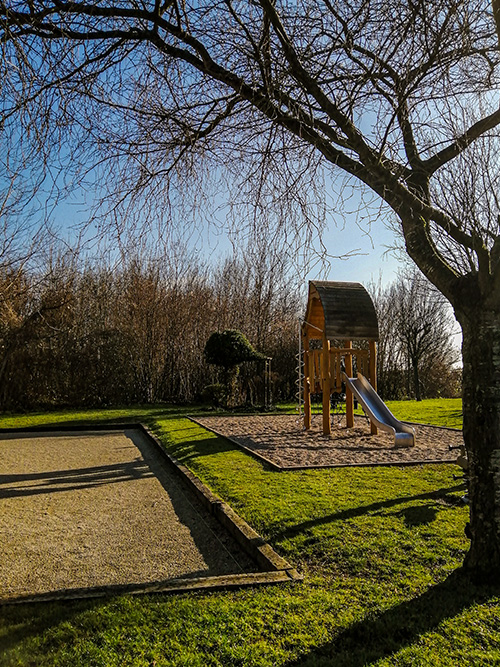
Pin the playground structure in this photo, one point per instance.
(340, 314)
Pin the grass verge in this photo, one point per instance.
(438, 411)
(380, 549)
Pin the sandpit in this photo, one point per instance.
(282, 442)
(86, 510)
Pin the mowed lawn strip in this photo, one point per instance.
(379, 548)
(445, 412)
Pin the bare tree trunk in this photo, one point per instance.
(408, 372)
(416, 380)
(481, 410)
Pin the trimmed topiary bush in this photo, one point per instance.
(228, 349)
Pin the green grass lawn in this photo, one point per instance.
(438, 411)
(380, 550)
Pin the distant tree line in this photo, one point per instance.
(135, 333)
(97, 335)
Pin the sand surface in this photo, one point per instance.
(282, 440)
(97, 509)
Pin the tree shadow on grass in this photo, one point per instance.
(373, 639)
(189, 451)
(418, 515)
(373, 508)
(19, 623)
(456, 414)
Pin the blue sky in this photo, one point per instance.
(367, 257)
(358, 254)
(372, 259)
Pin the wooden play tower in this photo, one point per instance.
(338, 313)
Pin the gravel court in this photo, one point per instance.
(92, 509)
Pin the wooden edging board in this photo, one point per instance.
(274, 568)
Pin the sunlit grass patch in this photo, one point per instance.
(436, 411)
(379, 549)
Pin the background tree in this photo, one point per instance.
(259, 293)
(395, 94)
(391, 380)
(423, 325)
(416, 356)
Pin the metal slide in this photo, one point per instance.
(378, 411)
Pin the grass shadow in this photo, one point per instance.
(34, 620)
(373, 639)
(418, 515)
(351, 513)
(185, 452)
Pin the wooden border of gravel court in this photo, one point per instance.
(275, 466)
(274, 568)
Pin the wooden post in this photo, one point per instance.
(325, 372)
(318, 371)
(335, 372)
(307, 383)
(349, 400)
(373, 376)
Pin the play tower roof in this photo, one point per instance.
(343, 310)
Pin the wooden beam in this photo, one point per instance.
(349, 350)
(307, 383)
(325, 358)
(373, 377)
(335, 370)
(349, 399)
